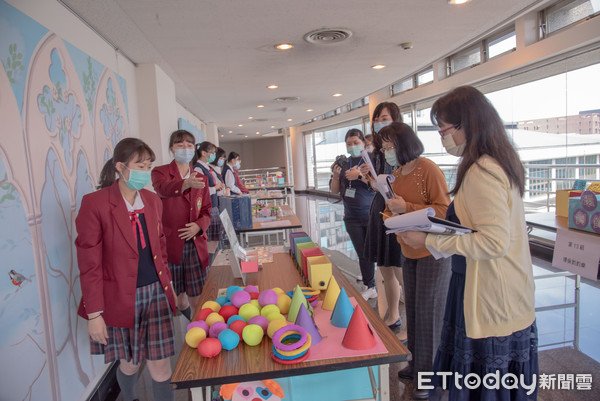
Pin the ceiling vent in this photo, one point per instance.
(327, 35)
(287, 99)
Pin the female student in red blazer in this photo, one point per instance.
(126, 291)
(186, 216)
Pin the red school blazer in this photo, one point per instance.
(193, 205)
(107, 254)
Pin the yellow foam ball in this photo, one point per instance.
(194, 336)
(268, 309)
(214, 318)
(248, 311)
(274, 315)
(255, 303)
(275, 325)
(215, 306)
(253, 334)
(283, 303)
(278, 290)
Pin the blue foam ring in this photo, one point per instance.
(288, 358)
(290, 294)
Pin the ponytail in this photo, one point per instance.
(108, 175)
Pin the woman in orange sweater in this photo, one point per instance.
(418, 183)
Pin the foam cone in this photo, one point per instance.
(331, 296)
(342, 312)
(304, 320)
(359, 335)
(297, 299)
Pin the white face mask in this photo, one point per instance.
(451, 146)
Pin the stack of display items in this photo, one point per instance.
(312, 263)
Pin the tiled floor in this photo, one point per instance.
(565, 347)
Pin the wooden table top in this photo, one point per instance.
(246, 363)
(551, 222)
(288, 215)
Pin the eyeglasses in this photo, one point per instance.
(442, 132)
(383, 150)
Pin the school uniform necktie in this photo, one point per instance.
(135, 221)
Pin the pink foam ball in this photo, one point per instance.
(240, 298)
(209, 347)
(251, 288)
(267, 297)
(262, 321)
(198, 323)
(216, 328)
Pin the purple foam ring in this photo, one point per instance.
(289, 347)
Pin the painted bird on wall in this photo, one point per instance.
(17, 278)
(253, 391)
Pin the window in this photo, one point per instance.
(502, 43)
(565, 176)
(565, 13)
(538, 180)
(588, 173)
(465, 58)
(403, 85)
(310, 159)
(425, 77)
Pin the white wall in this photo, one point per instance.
(259, 153)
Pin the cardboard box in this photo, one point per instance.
(299, 247)
(306, 253)
(584, 212)
(239, 209)
(319, 268)
(295, 241)
(562, 200)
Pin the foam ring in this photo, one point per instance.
(296, 351)
(310, 291)
(287, 358)
(293, 328)
(291, 337)
(292, 362)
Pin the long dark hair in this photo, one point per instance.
(218, 154)
(232, 156)
(394, 111)
(124, 152)
(203, 147)
(407, 144)
(468, 108)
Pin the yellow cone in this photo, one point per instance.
(331, 296)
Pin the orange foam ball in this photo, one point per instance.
(209, 347)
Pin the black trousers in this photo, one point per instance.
(357, 230)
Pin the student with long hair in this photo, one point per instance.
(489, 323)
(186, 216)
(206, 154)
(126, 291)
(231, 177)
(219, 162)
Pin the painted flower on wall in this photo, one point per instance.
(110, 116)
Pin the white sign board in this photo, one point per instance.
(236, 250)
(577, 252)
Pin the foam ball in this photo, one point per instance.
(209, 347)
(255, 303)
(216, 328)
(274, 316)
(198, 323)
(240, 298)
(251, 288)
(268, 309)
(203, 314)
(238, 327)
(234, 318)
(228, 303)
(267, 297)
(227, 311)
(233, 289)
(262, 321)
(254, 295)
(222, 300)
(252, 334)
(214, 318)
(194, 336)
(275, 325)
(278, 290)
(248, 311)
(215, 306)
(283, 303)
(229, 339)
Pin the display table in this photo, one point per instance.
(246, 363)
(284, 222)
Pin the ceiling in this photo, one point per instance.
(221, 55)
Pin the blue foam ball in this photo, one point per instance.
(233, 319)
(229, 339)
(232, 289)
(222, 300)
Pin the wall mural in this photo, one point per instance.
(62, 114)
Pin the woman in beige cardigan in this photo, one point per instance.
(489, 323)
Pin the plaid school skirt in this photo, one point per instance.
(189, 276)
(152, 335)
(215, 228)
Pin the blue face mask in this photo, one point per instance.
(355, 150)
(390, 157)
(211, 158)
(378, 126)
(184, 156)
(221, 162)
(237, 165)
(138, 179)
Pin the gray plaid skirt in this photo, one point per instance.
(189, 276)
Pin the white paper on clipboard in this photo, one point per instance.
(382, 181)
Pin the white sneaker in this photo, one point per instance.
(369, 293)
(359, 277)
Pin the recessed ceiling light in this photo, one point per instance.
(455, 2)
(309, 109)
(231, 132)
(260, 106)
(245, 136)
(273, 86)
(250, 118)
(240, 125)
(222, 136)
(378, 66)
(289, 119)
(272, 126)
(257, 132)
(284, 46)
(337, 95)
